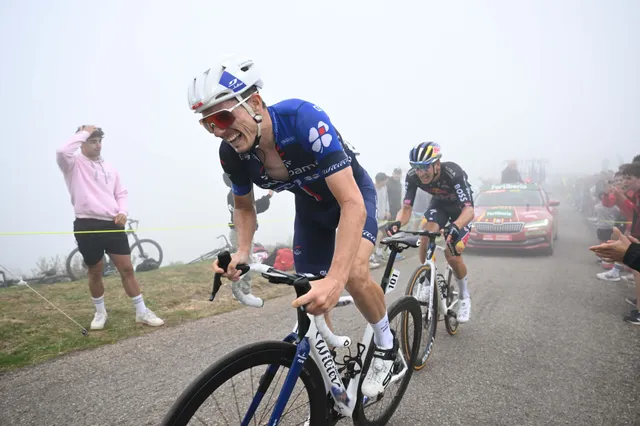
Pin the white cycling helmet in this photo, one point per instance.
(235, 75)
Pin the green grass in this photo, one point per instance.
(32, 331)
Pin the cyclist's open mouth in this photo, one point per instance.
(235, 140)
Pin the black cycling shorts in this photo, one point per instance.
(93, 246)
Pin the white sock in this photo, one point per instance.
(138, 303)
(382, 336)
(99, 303)
(464, 290)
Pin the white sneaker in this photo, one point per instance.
(464, 313)
(149, 318)
(98, 320)
(380, 370)
(609, 276)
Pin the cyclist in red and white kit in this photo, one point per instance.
(452, 203)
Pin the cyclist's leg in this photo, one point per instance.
(459, 268)
(436, 218)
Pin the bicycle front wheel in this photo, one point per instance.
(373, 412)
(151, 250)
(266, 365)
(419, 288)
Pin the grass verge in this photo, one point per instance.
(32, 331)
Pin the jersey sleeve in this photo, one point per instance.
(318, 136)
(235, 169)
(459, 183)
(410, 189)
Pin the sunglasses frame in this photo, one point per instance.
(420, 166)
(211, 126)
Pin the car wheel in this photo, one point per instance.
(549, 250)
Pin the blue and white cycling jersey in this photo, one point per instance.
(310, 148)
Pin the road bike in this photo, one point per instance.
(140, 251)
(331, 388)
(213, 253)
(437, 295)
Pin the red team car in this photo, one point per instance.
(515, 217)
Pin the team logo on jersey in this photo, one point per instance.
(319, 138)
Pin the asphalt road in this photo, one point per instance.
(546, 345)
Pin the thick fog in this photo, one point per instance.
(489, 80)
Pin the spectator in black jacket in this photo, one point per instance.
(511, 174)
(262, 205)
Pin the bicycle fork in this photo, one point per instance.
(302, 353)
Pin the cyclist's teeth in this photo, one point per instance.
(234, 138)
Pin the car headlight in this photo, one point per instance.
(537, 224)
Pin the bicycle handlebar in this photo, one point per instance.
(275, 276)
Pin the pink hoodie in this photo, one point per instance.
(95, 187)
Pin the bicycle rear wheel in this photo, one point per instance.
(418, 286)
(265, 354)
(372, 412)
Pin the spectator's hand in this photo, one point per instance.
(120, 219)
(270, 193)
(613, 250)
(90, 128)
(232, 273)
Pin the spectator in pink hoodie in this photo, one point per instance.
(100, 203)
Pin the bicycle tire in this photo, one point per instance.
(448, 324)
(153, 243)
(262, 353)
(68, 265)
(402, 306)
(428, 336)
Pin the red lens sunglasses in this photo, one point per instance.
(221, 119)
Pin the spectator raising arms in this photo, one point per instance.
(100, 204)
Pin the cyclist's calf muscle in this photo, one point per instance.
(367, 295)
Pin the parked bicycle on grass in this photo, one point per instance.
(146, 255)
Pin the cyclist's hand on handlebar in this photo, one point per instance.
(322, 297)
(452, 232)
(232, 273)
(120, 219)
(393, 227)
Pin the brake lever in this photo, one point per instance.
(224, 259)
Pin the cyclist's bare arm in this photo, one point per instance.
(353, 215)
(404, 215)
(466, 216)
(244, 218)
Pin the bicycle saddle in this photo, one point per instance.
(403, 238)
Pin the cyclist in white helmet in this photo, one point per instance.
(451, 202)
(294, 146)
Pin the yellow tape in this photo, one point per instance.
(175, 228)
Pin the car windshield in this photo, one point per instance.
(505, 197)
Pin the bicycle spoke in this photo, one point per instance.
(255, 421)
(233, 385)
(220, 409)
(270, 396)
(292, 409)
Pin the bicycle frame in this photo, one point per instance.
(313, 344)
(434, 284)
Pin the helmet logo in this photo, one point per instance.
(232, 82)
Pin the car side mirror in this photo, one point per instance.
(554, 203)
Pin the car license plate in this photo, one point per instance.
(497, 237)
